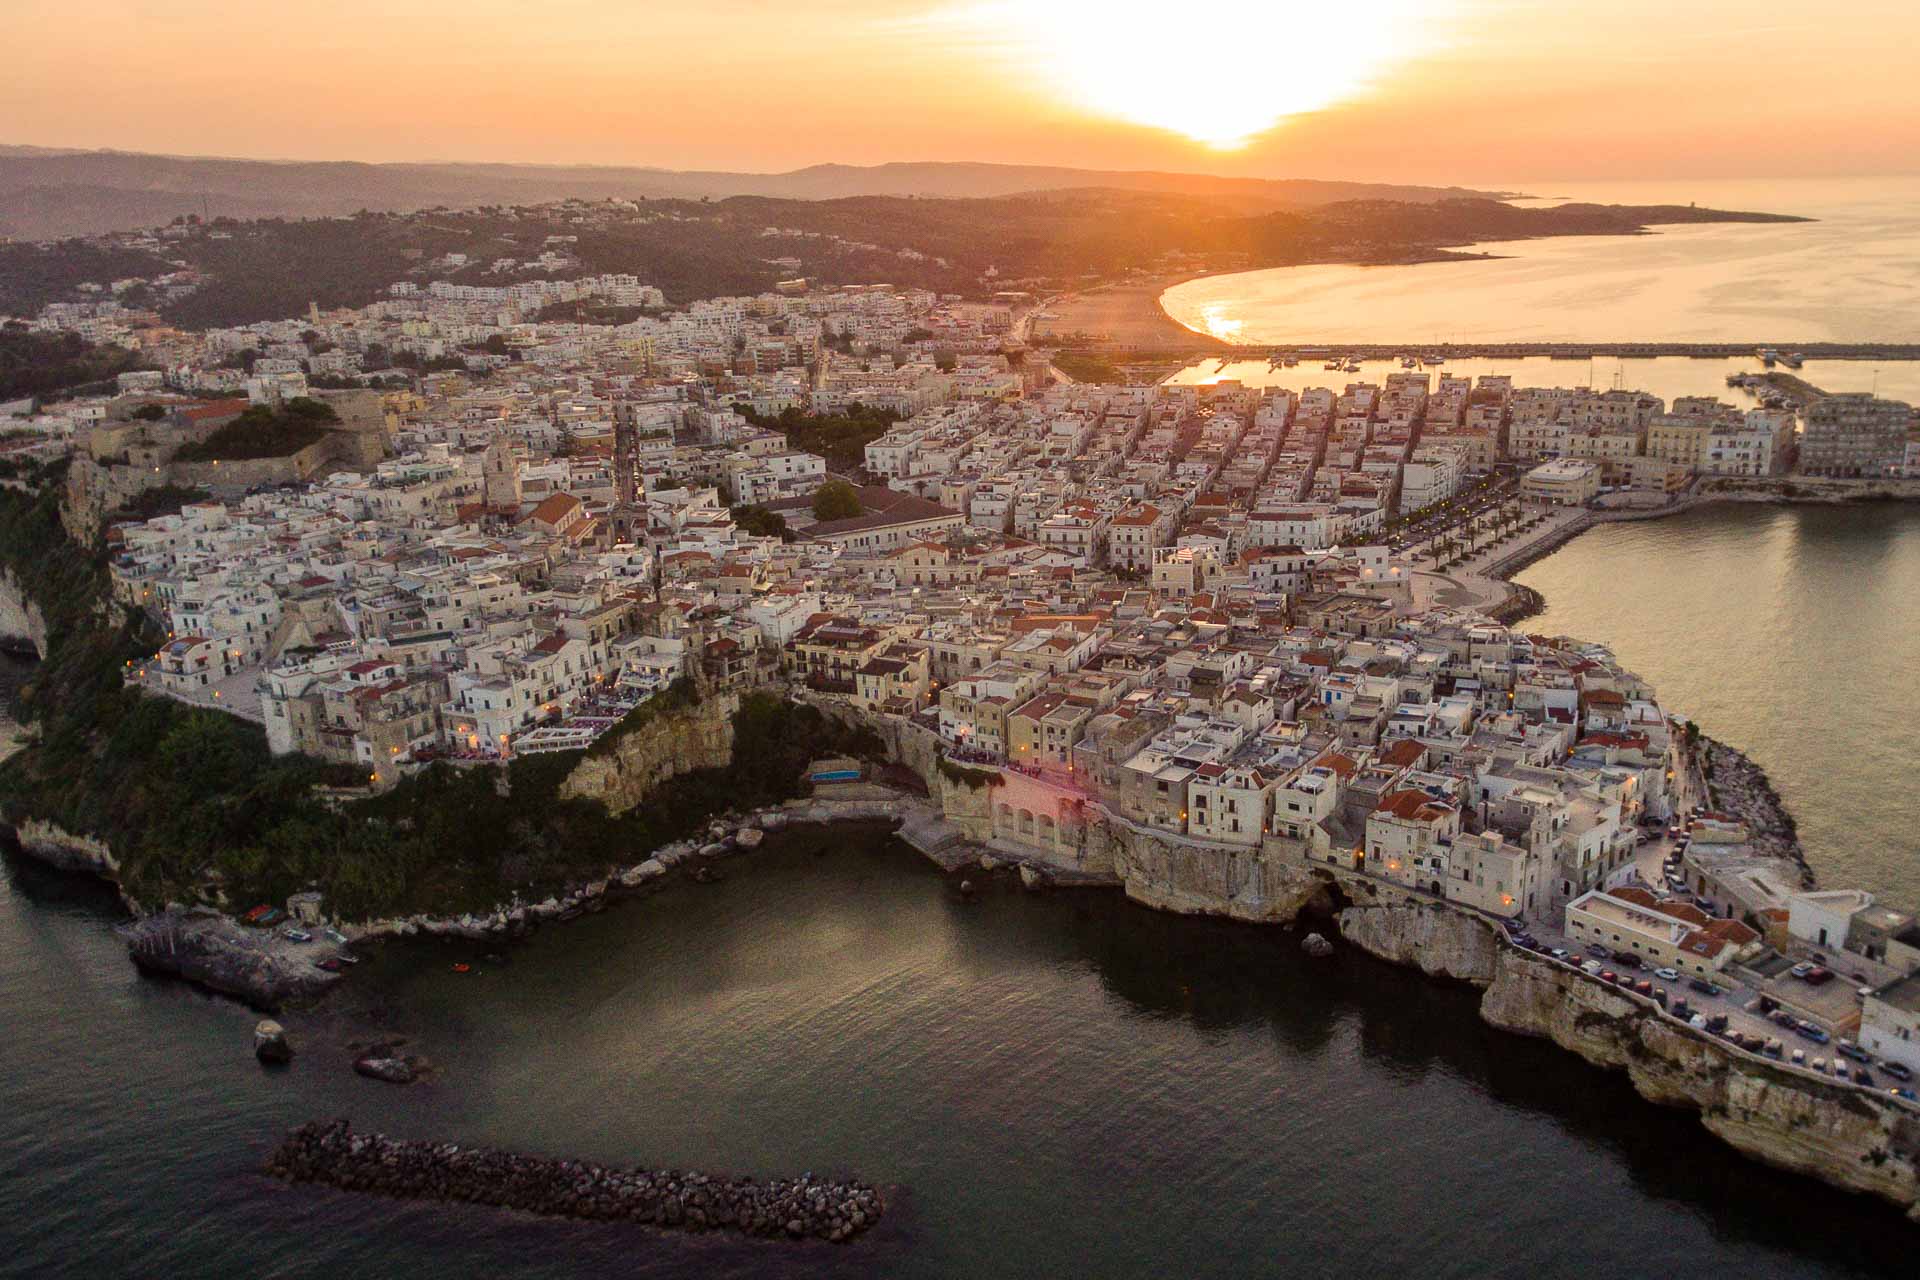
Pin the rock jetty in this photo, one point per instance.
(806, 1207)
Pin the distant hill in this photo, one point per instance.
(47, 193)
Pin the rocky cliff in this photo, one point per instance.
(1222, 880)
(1841, 1135)
(60, 848)
(1433, 939)
(700, 737)
(20, 619)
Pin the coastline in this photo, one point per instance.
(1607, 1028)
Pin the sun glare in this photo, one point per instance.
(1221, 74)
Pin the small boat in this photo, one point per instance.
(297, 935)
(463, 967)
(345, 958)
(330, 963)
(334, 936)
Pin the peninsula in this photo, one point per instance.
(451, 613)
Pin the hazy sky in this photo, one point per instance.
(1480, 91)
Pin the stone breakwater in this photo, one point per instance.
(807, 1207)
(1739, 787)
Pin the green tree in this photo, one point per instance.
(762, 523)
(836, 500)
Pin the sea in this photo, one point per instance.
(1851, 275)
(1050, 1085)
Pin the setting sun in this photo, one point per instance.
(1221, 77)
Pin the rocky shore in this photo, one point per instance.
(330, 1153)
(205, 947)
(722, 838)
(1738, 787)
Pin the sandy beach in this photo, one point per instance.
(1127, 316)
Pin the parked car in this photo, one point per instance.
(1598, 952)
(1819, 976)
(1801, 970)
(1627, 960)
(1819, 1064)
(1698, 1022)
(1592, 969)
(1666, 975)
(1807, 1031)
(1558, 953)
(1717, 1022)
(1771, 1048)
(1898, 1070)
(1849, 1049)
(1799, 1057)
(1704, 987)
(1643, 987)
(1863, 1076)
(1785, 1019)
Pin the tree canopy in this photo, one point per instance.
(836, 500)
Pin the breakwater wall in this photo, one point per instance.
(331, 1154)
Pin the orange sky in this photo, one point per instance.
(1478, 91)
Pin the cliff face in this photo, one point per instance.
(700, 737)
(1242, 884)
(20, 618)
(60, 848)
(1432, 939)
(1772, 1113)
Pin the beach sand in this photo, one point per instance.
(1127, 316)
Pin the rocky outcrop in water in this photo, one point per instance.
(1436, 940)
(270, 1043)
(796, 1208)
(1845, 1136)
(205, 947)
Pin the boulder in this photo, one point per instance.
(270, 1042)
(749, 838)
(387, 1067)
(714, 850)
(650, 870)
(1316, 946)
(1033, 878)
(988, 862)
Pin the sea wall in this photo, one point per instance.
(700, 737)
(1845, 1136)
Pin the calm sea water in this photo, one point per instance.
(1790, 632)
(1057, 1085)
(1850, 276)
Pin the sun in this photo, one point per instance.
(1220, 73)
